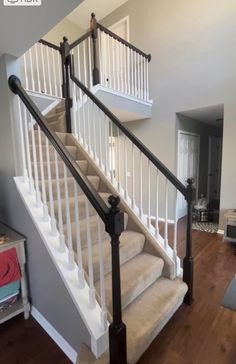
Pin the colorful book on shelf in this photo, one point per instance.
(9, 290)
(9, 267)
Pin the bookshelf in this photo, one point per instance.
(22, 305)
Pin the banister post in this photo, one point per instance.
(94, 28)
(66, 60)
(188, 260)
(117, 329)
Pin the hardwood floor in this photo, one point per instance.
(204, 333)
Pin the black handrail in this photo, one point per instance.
(48, 44)
(166, 172)
(123, 41)
(81, 39)
(92, 195)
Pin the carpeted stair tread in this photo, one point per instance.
(146, 316)
(94, 180)
(71, 149)
(136, 275)
(131, 244)
(56, 116)
(83, 164)
(61, 135)
(58, 125)
(93, 221)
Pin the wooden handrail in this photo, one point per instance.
(123, 41)
(81, 39)
(90, 192)
(48, 44)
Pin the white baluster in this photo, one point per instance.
(35, 165)
(107, 147)
(79, 66)
(141, 77)
(175, 255)
(126, 167)
(114, 69)
(118, 62)
(125, 68)
(59, 75)
(141, 185)
(135, 76)
(102, 125)
(31, 70)
(54, 71)
(166, 216)
(92, 300)
(102, 281)
(133, 178)
(71, 259)
(138, 71)
(93, 116)
(109, 62)
(22, 143)
(62, 244)
(100, 56)
(90, 62)
(149, 195)
(37, 67)
(78, 239)
(44, 197)
(43, 67)
(132, 73)
(51, 201)
(118, 160)
(26, 71)
(157, 205)
(128, 51)
(85, 66)
(110, 128)
(147, 80)
(122, 67)
(49, 71)
(28, 156)
(89, 124)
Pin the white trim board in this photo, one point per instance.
(54, 334)
(221, 232)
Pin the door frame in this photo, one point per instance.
(209, 161)
(123, 20)
(180, 131)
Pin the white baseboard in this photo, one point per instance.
(54, 334)
(221, 232)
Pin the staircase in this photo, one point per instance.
(119, 268)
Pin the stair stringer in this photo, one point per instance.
(152, 245)
(80, 297)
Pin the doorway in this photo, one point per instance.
(188, 164)
(199, 154)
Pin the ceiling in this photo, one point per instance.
(21, 27)
(211, 115)
(81, 15)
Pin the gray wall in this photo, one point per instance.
(47, 291)
(204, 131)
(192, 66)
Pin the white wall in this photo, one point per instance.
(193, 65)
(64, 28)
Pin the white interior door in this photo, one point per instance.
(214, 168)
(188, 165)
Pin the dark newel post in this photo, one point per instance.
(117, 329)
(66, 59)
(94, 28)
(188, 260)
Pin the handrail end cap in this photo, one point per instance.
(12, 81)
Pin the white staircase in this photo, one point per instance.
(66, 182)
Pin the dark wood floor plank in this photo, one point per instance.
(204, 333)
